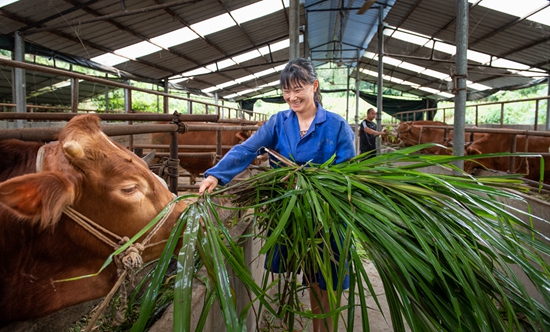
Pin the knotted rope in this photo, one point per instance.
(130, 260)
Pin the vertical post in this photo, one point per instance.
(461, 37)
(501, 115)
(536, 124)
(74, 95)
(347, 93)
(173, 169)
(356, 128)
(128, 109)
(513, 147)
(218, 111)
(379, 98)
(106, 98)
(219, 142)
(127, 99)
(548, 107)
(166, 100)
(294, 29)
(20, 91)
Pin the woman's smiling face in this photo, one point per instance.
(300, 96)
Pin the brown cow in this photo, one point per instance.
(200, 163)
(418, 132)
(414, 132)
(40, 244)
(501, 142)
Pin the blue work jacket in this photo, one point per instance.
(328, 134)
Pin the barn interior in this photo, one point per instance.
(233, 51)
(223, 55)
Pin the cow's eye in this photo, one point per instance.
(129, 190)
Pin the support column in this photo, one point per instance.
(356, 126)
(74, 95)
(127, 99)
(460, 77)
(219, 111)
(166, 100)
(20, 84)
(380, 90)
(548, 107)
(106, 98)
(294, 29)
(347, 92)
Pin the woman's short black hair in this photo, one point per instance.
(299, 71)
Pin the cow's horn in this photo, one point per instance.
(149, 157)
(73, 149)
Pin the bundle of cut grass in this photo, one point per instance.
(443, 245)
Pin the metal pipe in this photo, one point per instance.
(347, 94)
(379, 97)
(197, 155)
(173, 168)
(113, 117)
(219, 144)
(502, 115)
(165, 99)
(65, 73)
(536, 126)
(239, 121)
(461, 75)
(356, 129)
(182, 147)
(51, 133)
(74, 95)
(548, 106)
(513, 147)
(106, 98)
(59, 72)
(20, 93)
(294, 29)
(196, 127)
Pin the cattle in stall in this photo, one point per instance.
(412, 133)
(418, 132)
(86, 173)
(502, 142)
(202, 161)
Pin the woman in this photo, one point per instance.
(304, 133)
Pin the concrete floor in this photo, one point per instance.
(378, 321)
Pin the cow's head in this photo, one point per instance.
(97, 177)
(471, 165)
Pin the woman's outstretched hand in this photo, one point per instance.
(210, 183)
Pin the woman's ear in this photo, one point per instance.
(315, 85)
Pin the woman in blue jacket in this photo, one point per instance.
(306, 132)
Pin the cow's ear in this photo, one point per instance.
(39, 197)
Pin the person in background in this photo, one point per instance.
(368, 133)
(304, 133)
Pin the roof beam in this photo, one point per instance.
(507, 26)
(98, 17)
(60, 14)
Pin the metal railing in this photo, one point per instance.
(430, 113)
(193, 106)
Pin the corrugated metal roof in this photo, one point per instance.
(337, 32)
(334, 31)
(493, 33)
